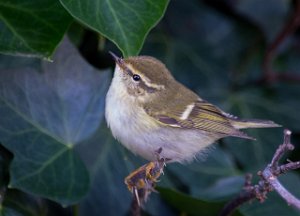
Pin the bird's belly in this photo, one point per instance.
(144, 136)
(177, 144)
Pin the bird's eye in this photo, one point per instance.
(136, 77)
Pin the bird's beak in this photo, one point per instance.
(118, 60)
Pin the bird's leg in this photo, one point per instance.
(158, 151)
(141, 182)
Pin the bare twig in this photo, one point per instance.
(282, 191)
(268, 182)
(230, 207)
(135, 208)
(282, 149)
(270, 174)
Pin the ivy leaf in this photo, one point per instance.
(47, 108)
(108, 165)
(126, 22)
(18, 203)
(32, 27)
(216, 171)
(191, 206)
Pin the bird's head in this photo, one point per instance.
(142, 76)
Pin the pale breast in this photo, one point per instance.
(142, 135)
(127, 121)
(144, 138)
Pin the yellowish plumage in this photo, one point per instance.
(155, 111)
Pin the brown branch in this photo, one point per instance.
(289, 28)
(289, 166)
(268, 182)
(243, 197)
(282, 149)
(135, 209)
(281, 190)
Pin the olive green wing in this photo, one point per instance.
(199, 115)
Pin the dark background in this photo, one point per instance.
(241, 55)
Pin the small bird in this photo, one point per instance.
(147, 109)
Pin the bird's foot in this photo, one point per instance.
(141, 182)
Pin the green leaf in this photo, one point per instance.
(213, 178)
(189, 205)
(124, 22)
(253, 103)
(270, 16)
(10, 212)
(32, 27)
(18, 203)
(47, 108)
(109, 163)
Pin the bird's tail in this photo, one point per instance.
(253, 123)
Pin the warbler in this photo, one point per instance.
(147, 109)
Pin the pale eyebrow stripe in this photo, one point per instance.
(146, 87)
(149, 87)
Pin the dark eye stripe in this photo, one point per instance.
(141, 83)
(129, 72)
